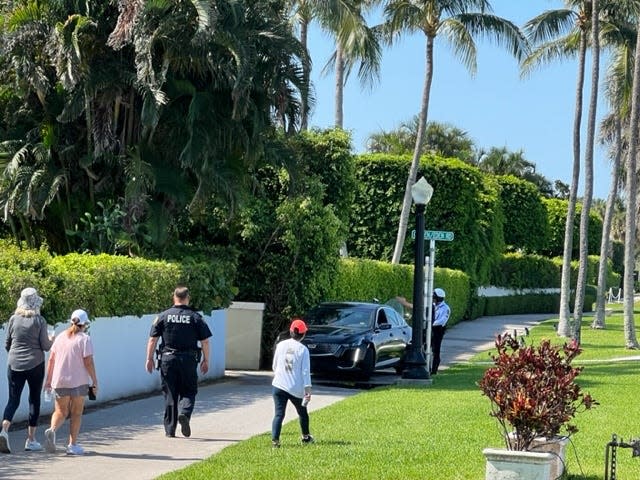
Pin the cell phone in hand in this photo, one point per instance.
(92, 392)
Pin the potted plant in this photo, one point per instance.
(534, 395)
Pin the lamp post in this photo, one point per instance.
(414, 361)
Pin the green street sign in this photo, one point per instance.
(435, 235)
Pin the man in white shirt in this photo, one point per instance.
(441, 313)
(291, 381)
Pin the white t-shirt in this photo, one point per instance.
(291, 367)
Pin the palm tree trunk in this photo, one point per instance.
(599, 319)
(304, 99)
(630, 222)
(581, 283)
(417, 151)
(339, 100)
(564, 329)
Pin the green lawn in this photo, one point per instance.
(439, 432)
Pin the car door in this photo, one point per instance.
(382, 338)
(400, 334)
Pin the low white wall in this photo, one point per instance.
(491, 291)
(120, 345)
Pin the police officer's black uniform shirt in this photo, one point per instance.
(180, 327)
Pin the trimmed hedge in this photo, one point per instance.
(530, 303)
(526, 226)
(108, 285)
(557, 214)
(465, 201)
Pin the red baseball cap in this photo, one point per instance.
(298, 326)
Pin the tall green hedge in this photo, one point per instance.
(557, 209)
(464, 201)
(526, 225)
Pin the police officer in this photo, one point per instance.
(181, 328)
(441, 313)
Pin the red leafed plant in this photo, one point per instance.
(533, 391)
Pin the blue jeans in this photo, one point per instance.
(280, 398)
(34, 378)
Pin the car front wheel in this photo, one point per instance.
(369, 362)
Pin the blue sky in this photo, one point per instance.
(496, 107)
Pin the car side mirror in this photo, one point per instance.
(384, 326)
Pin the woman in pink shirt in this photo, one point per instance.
(69, 371)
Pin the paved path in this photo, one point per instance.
(126, 441)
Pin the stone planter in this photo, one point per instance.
(556, 447)
(517, 465)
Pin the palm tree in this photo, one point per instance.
(631, 206)
(618, 86)
(561, 33)
(442, 139)
(458, 21)
(356, 43)
(588, 166)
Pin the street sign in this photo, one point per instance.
(435, 235)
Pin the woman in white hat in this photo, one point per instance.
(69, 371)
(26, 341)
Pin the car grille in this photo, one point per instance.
(322, 348)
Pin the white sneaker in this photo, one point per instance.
(50, 440)
(74, 449)
(4, 442)
(32, 446)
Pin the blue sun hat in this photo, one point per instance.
(29, 299)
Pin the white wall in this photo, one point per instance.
(120, 345)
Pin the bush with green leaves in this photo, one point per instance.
(526, 226)
(557, 212)
(289, 256)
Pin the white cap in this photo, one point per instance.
(438, 292)
(81, 317)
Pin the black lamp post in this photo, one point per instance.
(414, 361)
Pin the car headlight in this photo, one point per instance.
(359, 351)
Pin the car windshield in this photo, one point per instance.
(340, 316)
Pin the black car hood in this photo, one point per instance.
(334, 334)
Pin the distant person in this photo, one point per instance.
(439, 317)
(26, 341)
(441, 314)
(291, 381)
(69, 371)
(180, 327)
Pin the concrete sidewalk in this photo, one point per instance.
(126, 441)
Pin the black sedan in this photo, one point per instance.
(355, 337)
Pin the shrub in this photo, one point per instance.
(533, 391)
(526, 225)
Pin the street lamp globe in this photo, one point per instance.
(421, 192)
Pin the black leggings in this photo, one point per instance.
(34, 377)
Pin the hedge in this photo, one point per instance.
(109, 285)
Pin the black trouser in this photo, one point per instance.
(437, 332)
(34, 377)
(180, 385)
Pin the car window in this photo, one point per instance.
(341, 316)
(393, 317)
